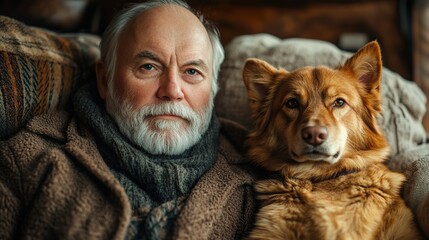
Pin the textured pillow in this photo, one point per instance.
(39, 71)
(403, 102)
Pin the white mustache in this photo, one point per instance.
(169, 108)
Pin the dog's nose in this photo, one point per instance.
(314, 135)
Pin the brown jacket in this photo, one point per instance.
(55, 185)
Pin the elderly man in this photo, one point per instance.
(143, 157)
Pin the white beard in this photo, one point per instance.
(160, 136)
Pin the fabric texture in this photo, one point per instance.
(54, 184)
(415, 164)
(156, 185)
(39, 71)
(403, 105)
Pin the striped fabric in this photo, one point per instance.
(39, 71)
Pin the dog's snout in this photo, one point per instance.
(314, 135)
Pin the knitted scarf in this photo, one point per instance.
(156, 185)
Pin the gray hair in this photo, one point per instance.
(109, 42)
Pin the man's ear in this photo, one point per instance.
(101, 73)
(366, 65)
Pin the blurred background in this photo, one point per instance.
(400, 26)
(347, 23)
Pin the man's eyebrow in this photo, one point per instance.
(199, 63)
(148, 54)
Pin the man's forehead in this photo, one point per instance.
(167, 21)
(158, 33)
(170, 15)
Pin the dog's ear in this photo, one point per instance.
(259, 78)
(366, 65)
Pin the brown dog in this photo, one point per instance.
(317, 127)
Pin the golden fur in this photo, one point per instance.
(317, 127)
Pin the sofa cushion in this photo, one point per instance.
(39, 71)
(403, 101)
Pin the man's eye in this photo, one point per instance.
(191, 71)
(148, 67)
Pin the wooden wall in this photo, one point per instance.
(324, 20)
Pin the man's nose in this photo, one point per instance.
(170, 87)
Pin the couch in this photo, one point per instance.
(40, 70)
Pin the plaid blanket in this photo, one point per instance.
(39, 71)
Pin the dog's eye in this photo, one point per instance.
(292, 103)
(339, 103)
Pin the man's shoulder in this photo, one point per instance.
(52, 125)
(40, 133)
(232, 141)
(46, 138)
(233, 147)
